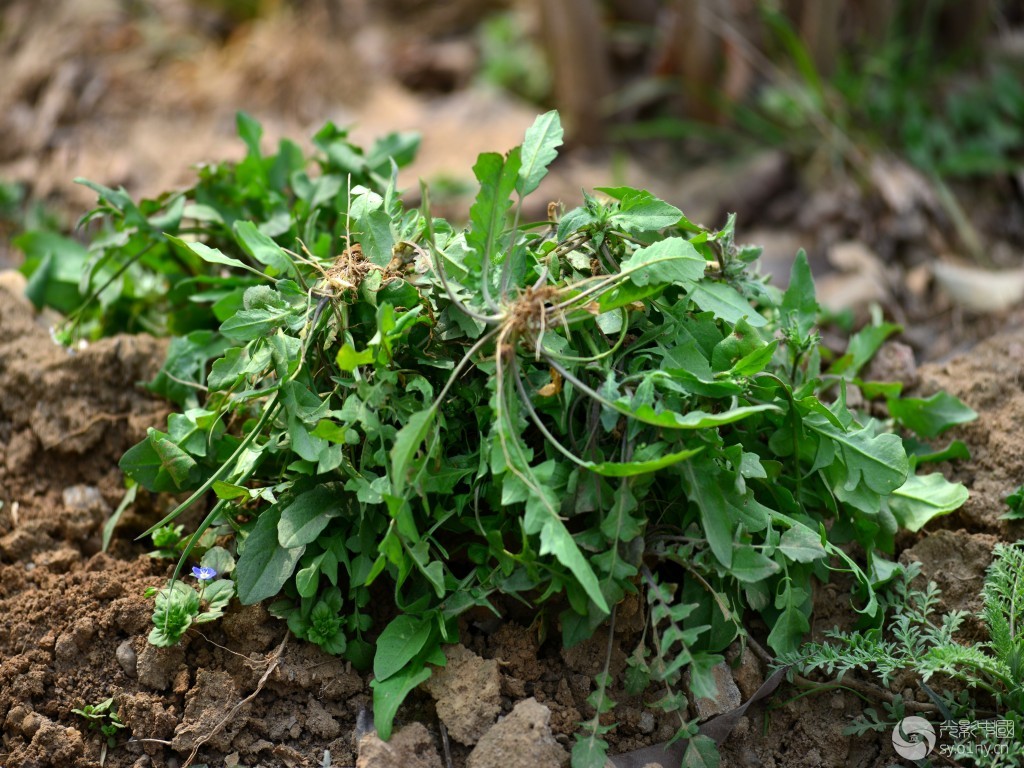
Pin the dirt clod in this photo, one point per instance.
(409, 747)
(206, 705)
(157, 667)
(467, 692)
(521, 739)
(727, 698)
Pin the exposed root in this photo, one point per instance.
(348, 271)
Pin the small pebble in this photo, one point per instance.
(31, 724)
(647, 723)
(127, 658)
(84, 498)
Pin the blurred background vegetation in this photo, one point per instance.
(897, 125)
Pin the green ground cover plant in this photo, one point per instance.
(375, 403)
(103, 717)
(977, 681)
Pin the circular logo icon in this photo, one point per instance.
(913, 738)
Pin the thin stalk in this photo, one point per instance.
(462, 364)
(73, 318)
(223, 469)
(505, 427)
(597, 356)
(605, 282)
(484, 267)
(585, 388)
(488, 319)
(506, 266)
(194, 538)
(524, 397)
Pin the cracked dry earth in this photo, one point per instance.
(73, 619)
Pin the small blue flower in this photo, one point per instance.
(203, 573)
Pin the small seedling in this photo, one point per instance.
(103, 717)
(179, 606)
(169, 541)
(1015, 504)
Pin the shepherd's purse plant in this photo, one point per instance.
(375, 402)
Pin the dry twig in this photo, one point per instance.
(273, 661)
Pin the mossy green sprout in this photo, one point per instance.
(103, 717)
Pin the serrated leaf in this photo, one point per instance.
(407, 442)
(488, 215)
(640, 211)
(249, 324)
(555, 539)
(930, 417)
(590, 752)
(143, 464)
(672, 260)
(801, 544)
(799, 304)
(539, 148)
(789, 630)
(701, 752)
(704, 490)
(173, 460)
(702, 675)
(878, 461)
(377, 239)
(924, 497)
(752, 566)
(228, 370)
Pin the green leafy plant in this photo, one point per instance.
(168, 540)
(179, 606)
(103, 717)
(377, 402)
(1015, 502)
(981, 679)
(135, 276)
